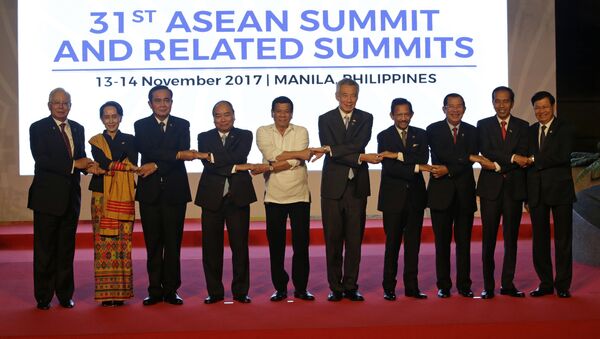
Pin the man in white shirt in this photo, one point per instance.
(284, 149)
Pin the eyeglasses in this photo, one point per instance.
(60, 103)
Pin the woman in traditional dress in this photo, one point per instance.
(113, 207)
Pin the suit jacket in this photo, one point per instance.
(161, 148)
(53, 181)
(398, 178)
(212, 182)
(491, 146)
(346, 147)
(460, 179)
(549, 180)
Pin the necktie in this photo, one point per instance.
(162, 126)
(226, 187)
(403, 137)
(346, 122)
(66, 139)
(454, 133)
(542, 136)
(503, 123)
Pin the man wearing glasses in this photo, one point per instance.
(57, 146)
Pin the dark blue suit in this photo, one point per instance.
(550, 188)
(452, 201)
(231, 208)
(343, 201)
(501, 194)
(163, 196)
(55, 198)
(402, 199)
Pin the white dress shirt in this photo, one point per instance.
(288, 186)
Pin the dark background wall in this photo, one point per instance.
(578, 68)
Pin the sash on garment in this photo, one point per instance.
(118, 202)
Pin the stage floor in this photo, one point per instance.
(501, 317)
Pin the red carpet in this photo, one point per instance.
(456, 317)
(20, 235)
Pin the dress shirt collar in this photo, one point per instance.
(500, 120)
(289, 129)
(344, 114)
(547, 125)
(58, 122)
(400, 130)
(452, 126)
(166, 121)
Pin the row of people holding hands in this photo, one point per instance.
(520, 163)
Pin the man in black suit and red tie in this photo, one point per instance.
(344, 133)
(451, 193)
(57, 146)
(501, 188)
(402, 197)
(163, 193)
(225, 192)
(550, 189)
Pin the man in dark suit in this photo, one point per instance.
(163, 192)
(225, 193)
(402, 197)
(550, 189)
(344, 133)
(451, 193)
(57, 146)
(501, 188)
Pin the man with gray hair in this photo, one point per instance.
(57, 146)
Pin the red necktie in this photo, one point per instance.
(454, 133)
(503, 123)
(66, 139)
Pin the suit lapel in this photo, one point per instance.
(550, 133)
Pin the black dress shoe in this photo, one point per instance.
(279, 296)
(539, 292)
(43, 306)
(487, 294)
(443, 293)
(563, 294)
(211, 299)
(150, 300)
(304, 295)
(67, 303)
(108, 303)
(335, 296)
(415, 294)
(512, 292)
(353, 296)
(466, 293)
(389, 295)
(174, 299)
(244, 299)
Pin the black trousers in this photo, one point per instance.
(277, 215)
(511, 211)
(163, 230)
(343, 227)
(237, 220)
(406, 223)
(563, 245)
(53, 253)
(457, 219)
